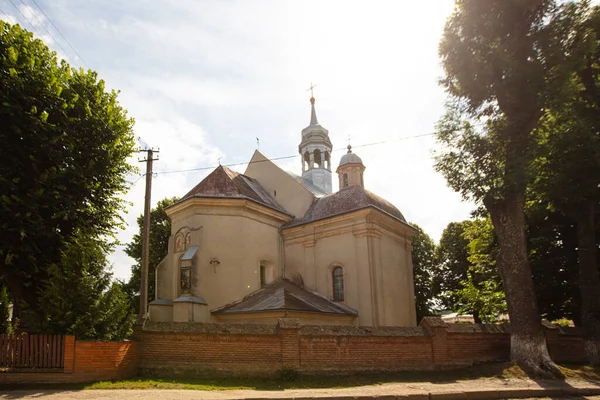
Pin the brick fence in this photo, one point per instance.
(84, 361)
(213, 349)
(246, 349)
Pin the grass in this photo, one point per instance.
(485, 371)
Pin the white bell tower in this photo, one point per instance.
(315, 149)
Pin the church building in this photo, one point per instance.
(267, 244)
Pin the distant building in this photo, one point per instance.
(254, 247)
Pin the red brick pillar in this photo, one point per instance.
(437, 329)
(69, 354)
(289, 332)
(552, 340)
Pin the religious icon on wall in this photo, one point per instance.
(179, 243)
(188, 240)
(186, 278)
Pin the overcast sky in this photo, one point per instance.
(203, 79)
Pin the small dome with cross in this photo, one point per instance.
(350, 158)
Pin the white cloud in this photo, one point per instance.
(203, 79)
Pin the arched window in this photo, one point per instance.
(263, 276)
(306, 163)
(362, 183)
(338, 284)
(345, 180)
(317, 159)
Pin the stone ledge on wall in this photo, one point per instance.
(212, 328)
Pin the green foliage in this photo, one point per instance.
(552, 244)
(65, 143)
(160, 231)
(482, 293)
(79, 297)
(452, 258)
(424, 263)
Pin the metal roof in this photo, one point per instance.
(284, 295)
(225, 183)
(190, 253)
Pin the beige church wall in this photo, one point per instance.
(335, 245)
(160, 313)
(371, 248)
(272, 318)
(163, 279)
(239, 239)
(290, 194)
(397, 289)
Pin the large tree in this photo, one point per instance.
(65, 142)
(80, 298)
(424, 263)
(569, 158)
(160, 231)
(495, 76)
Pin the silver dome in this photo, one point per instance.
(350, 158)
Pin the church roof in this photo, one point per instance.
(308, 185)
(225, 183)
(284, 295)
(350, 158)
(349, 199)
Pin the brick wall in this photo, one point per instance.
(212, 349)
(84, 361)
(216, 349)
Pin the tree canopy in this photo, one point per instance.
(65, 142)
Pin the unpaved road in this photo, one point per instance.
(454, 391)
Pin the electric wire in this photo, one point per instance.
(288, 157)
(60, 33)
(66, 54)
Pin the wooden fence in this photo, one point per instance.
(31, 351)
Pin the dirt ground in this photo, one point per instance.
(442, 391)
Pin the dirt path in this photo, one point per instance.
(462, 390)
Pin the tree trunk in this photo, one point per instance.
(589, 281)
(528, 343)
(476, 318)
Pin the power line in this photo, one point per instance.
(288, 157)
(62, 48)
(60, 33)
(40, 23)
(7, 16)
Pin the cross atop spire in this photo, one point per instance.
(311, 88)
(312, 95)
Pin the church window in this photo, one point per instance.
(338, 284)
(306, 164)
(345, 180)
(361, 181)
(263, 276)
(186, 279)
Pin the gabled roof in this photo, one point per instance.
(349, 199)
(225, 183)
(284, 295)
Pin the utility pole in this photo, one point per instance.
(146, 234)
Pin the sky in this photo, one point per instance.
(203, 79)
